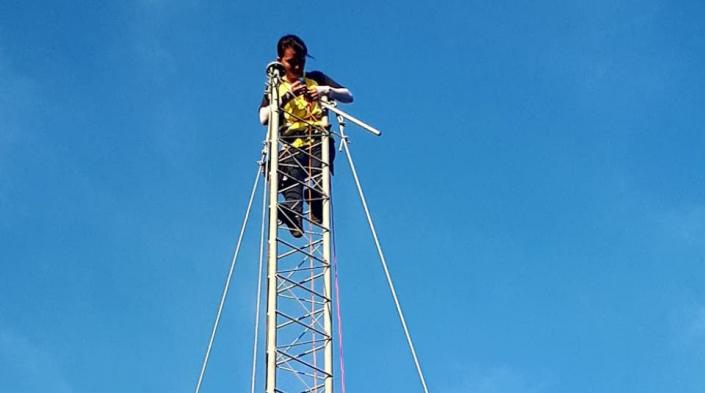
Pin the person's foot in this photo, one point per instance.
(317, 212)
(296, 232)
(316, 219)
(293, 225)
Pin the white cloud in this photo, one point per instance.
(688, 324)
(696, 327)
(156, 57)
(28, 367)
(18, 100)
(17, 92)
(498, 379)
(166, 3)
(685, 223)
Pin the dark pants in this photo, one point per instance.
(295, 165)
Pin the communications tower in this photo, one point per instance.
(299, 296)
(299, 325)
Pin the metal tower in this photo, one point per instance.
(299, 351)
(299, 326)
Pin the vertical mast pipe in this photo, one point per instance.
(327, 311)
(271, 362)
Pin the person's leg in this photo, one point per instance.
(292, 190)
(314, 197)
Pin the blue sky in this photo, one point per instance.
(539, 190)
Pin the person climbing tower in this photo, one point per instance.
(302, 121)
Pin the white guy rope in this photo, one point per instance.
(344, 143)
(259, 284)
(226, 286)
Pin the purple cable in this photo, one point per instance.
(337, 302)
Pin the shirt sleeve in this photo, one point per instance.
(323, 79)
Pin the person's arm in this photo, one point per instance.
(264, 105)
(341, 94)
(264, 110)
(329, 87)
(264, 115)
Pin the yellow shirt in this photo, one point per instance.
(300, 114)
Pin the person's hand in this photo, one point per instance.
(316, 92)
(298, 88)
(313, 93)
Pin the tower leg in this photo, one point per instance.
(273, 176)
(326, 222)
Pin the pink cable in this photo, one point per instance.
(337, 303)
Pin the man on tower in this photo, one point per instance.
(301, 121)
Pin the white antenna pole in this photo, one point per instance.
(271, 355)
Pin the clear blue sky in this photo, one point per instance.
(539, 189)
